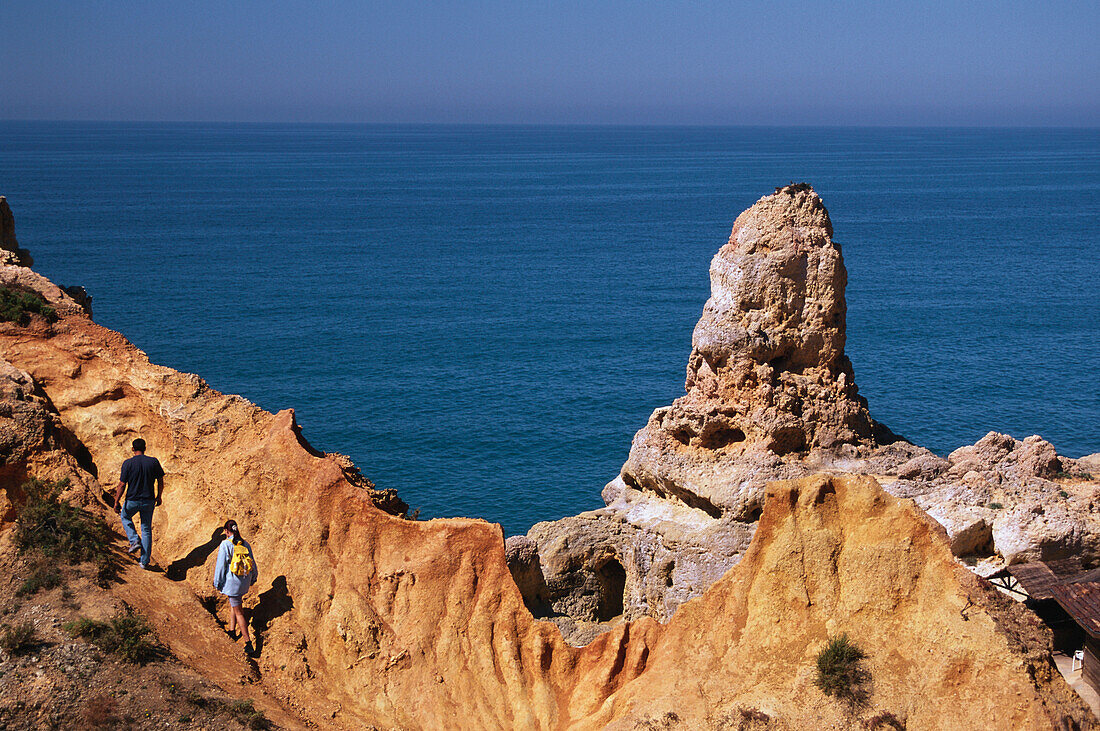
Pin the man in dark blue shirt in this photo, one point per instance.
(140, 474)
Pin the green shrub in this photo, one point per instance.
(248, 714)
(43, 575)
(126, 635)
(48, 524)
(995, 506)
(17, 307)
(840, 671)
(883, 720)
(18, 639)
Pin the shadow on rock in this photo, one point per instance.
(275, 602)
(177, 570)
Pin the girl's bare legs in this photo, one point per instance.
(232, 620)
(238, 614)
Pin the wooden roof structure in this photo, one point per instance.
(1036, 579)
(1065, 567)
(1081, 600)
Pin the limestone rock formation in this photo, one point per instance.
(369, 620)
(10, 253)
(769, 395)
(767, 377)
(837, 554)
(1006, 501)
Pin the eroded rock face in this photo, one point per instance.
(372, 620)
(767, 376)
(1005, 501)
(10, 253)
(769, 395)
(837, 554)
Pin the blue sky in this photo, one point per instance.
(598, 62)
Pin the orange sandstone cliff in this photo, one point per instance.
(370, 620)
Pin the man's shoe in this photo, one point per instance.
(134, 549)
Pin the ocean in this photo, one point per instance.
(482, 317)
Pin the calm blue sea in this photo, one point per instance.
(482, 317)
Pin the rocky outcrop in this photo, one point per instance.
(367, 619)
(1006, 501)
(769, 395)
(767, 379)
(10, 253)
(837, 554)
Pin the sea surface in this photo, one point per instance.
(482, 317)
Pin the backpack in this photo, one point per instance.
(241, 562)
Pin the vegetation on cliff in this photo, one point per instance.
(16, 306)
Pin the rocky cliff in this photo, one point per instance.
(370, 620)
(771, 395)
(10, 253)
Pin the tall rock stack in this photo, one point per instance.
(770, 395)
(10, 253)
(767, 378)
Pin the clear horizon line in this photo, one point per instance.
(697, 125)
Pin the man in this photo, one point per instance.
(139, 473)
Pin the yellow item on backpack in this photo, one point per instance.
(241, 563)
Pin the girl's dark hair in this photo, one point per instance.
(231, 526)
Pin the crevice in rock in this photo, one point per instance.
(693, 501)
(721, 436)
(612, 578)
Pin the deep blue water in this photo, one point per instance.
(482, 317)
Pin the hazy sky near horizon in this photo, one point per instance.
(598, 62)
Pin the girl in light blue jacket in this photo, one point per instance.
(234, 585)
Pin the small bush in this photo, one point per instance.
(196, 698)
(17, 307)
(106, 570)
(669, 720)
(840, 671)
(101, 711)
(259, 722)
(126, 635)
(242, 708)
(248, 714)
(49, 524)
(883, 720)
(42, 576)
(995, 506)
(1063, 493)
(18, 639)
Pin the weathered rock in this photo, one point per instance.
(923, 467)
(1000, 457)
(633, 560)
(371, 620)
(767, 376)
(34, 443)
(837, 554)
(1087, 466)
(1004, 500)
(769, 395)
(368, 619)
(10, 253)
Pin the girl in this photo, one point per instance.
(234, 573)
